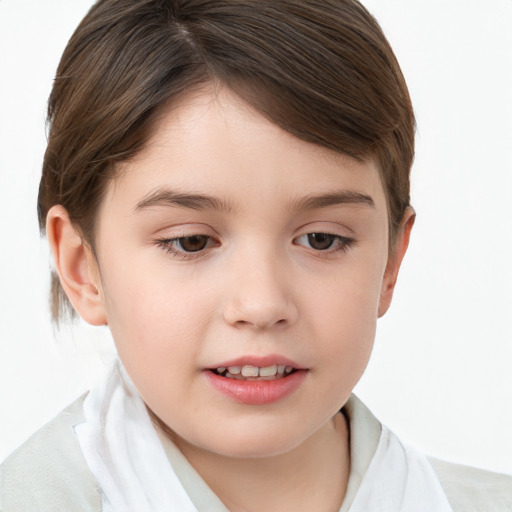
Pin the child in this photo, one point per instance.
(226, 185)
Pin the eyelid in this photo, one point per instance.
(330, 227)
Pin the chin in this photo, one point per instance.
(254, 443)
(254, 450)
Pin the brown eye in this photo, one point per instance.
(193, 243)
(325, 242)
(321, 241)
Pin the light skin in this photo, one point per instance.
(287, 256)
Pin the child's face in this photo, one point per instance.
(252, 285)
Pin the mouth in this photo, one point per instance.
(256, 380)
(254, 373)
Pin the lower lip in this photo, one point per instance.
(256, 392)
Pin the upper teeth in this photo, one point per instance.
(255, 371)
(250, 371)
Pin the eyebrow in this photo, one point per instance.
(167, 197)
(312, 202)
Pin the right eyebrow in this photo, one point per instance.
(170, 198)
(311, 202)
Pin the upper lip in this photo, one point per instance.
(259, 361)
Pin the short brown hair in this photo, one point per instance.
(320, 69)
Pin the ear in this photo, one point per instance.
(76, 266)
(395, 260)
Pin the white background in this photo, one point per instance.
(441, 373)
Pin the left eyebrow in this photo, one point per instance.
(312, 202)
(167, 197)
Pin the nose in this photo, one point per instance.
(260, 296)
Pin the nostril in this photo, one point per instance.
(260, 312)
(261, 324)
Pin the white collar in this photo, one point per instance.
(124, 454)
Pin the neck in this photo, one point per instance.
(312, 476)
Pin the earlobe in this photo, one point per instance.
(395, 260)
(76, 266)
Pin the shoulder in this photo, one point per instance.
(48, 472)
(474, 490)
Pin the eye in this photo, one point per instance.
(324, 242)
(186, 245)
(192, 243)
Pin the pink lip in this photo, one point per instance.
(260, 361)
(256, 392)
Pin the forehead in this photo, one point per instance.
(213, 142)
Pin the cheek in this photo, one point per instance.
(158, 331)
(346, 316)
(155, 319)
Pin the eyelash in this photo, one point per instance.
(169, 244)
